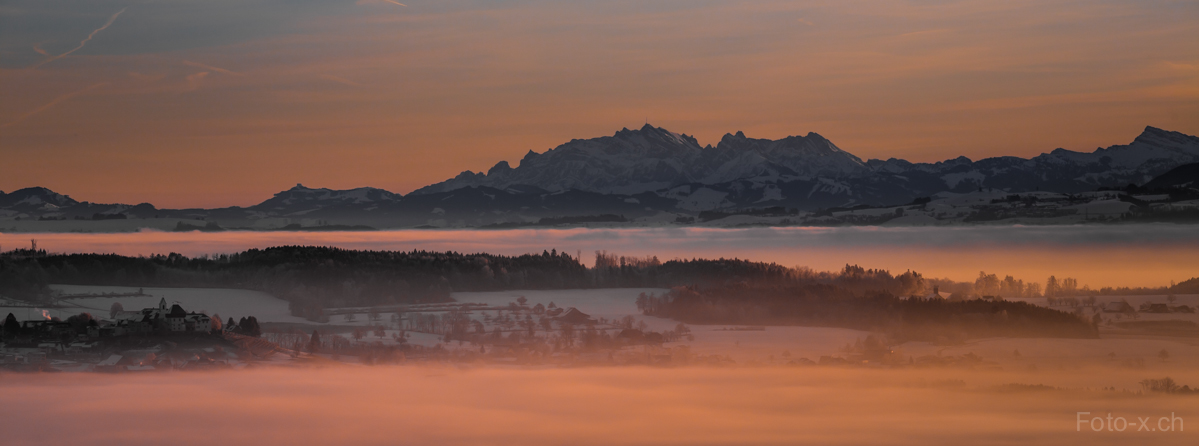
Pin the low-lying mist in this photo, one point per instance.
(584, 406)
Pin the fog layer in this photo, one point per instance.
(600, 406)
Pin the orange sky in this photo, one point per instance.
(221, 103)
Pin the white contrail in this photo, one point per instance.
(395, 2)
(38, 48)
(85, 39)
(56, 101)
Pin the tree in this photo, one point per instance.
(538, 309)
(115, 310)
(11, 326)
(247, 326)
(1068, 286)
(349, 317)
(568, 333)
(522, 301)
(1163, 355)
(987, 284)
(1051, 287)
(314, 342)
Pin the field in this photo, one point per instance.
(212, 301)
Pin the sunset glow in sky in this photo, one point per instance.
(217, 102)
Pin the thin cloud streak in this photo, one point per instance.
(212, 68)
(340, 80)
(193, 81)
(366, 2)
(85, 39)
(52, 103)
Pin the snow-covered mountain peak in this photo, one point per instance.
(1153, 136)
(324, 196)
(35, 196)
(810, 156)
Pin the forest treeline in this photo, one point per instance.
(309, 278)
(825, 305)
(312, 279)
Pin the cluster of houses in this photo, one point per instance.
(174, 320)
(155, 320)
(1147, 307)
(78, 343)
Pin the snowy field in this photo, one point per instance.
(225, 302)
(810, 342)
(611, 303)
(771, 343)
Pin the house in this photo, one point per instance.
(179, 321)
(1118, 307)
(938, 295)
(174, 319)
(1158, 308)
(197, 323)
(575, 317)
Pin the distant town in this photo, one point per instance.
(160, 337)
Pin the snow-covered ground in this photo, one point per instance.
(741, 345)
(225, 302)
(611, 303)
(768, 343)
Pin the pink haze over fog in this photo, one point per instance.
(388, 405)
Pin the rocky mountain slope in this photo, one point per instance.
(654, 175)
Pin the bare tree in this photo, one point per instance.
(115, 310)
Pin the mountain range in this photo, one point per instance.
(653, 173)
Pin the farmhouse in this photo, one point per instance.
(575, 317)
(1118, 307)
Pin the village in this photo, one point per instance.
(167, 337)
(160, 337)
